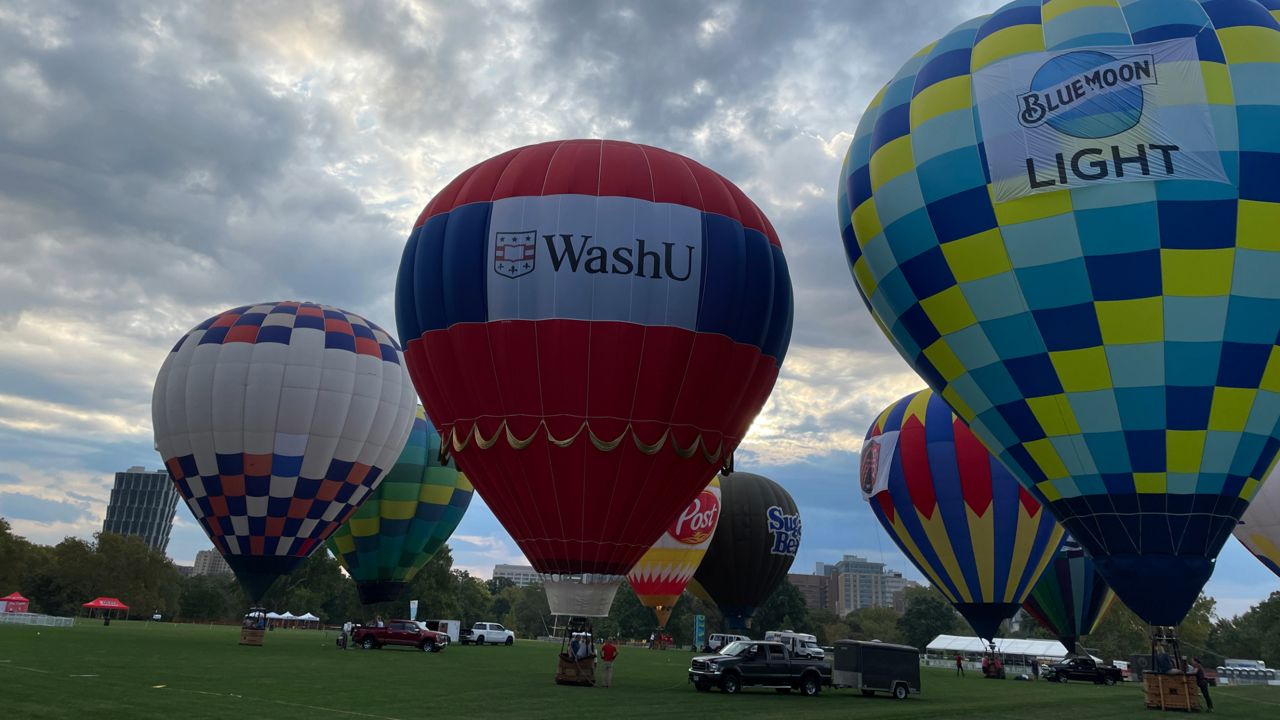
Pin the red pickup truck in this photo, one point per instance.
(399, 632)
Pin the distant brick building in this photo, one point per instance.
(814, 588)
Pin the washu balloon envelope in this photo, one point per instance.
(1063, 216)
(592, 325)
(275, 422)
(961, 518)
(409, 517)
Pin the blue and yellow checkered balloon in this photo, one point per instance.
(405, 521)
(1114, 346)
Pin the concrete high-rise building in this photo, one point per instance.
(521, 575)
(857, 583)
(814, 588)
(142, 503)
(210, 562)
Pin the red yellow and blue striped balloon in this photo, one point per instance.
(1071, 596)
(955, 511)
(1115, 345)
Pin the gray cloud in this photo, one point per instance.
(26, 507)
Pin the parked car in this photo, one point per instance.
(756, 663)
(800, 644)
(1083, 669)
(720, 640)
(876, 666)
(404, 633)
(487, 633)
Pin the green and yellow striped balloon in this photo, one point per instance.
(405, 520)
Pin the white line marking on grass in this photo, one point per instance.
(1245, 697)
(337, 711)
(29, 669)
(82, 676)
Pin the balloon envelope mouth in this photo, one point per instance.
(379, 591)
(257, 573)
(1160, 589)
(985, 618)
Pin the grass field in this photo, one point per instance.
(137, 670)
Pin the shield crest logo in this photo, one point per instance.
(514, 253)
(870, 465)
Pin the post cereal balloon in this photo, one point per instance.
(275, 422)
(592, 326)
(664, 571)
(755, 543)
(1064, 216)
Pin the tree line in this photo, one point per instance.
(59, 578)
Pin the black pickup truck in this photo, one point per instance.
(1083, 669)
(747, 663)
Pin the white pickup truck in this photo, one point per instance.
(490, 633)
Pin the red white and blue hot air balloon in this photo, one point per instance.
(275, 422)
(592, 325)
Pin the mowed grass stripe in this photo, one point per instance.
(301, 674)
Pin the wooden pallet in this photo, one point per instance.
(1171, 692)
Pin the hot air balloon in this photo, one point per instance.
(405, 521)
(275, 422)
(1071, 596)
(592, 326)
(955, 511)
(1259, 529)
(1062, 214)
(665, 570)
(753, 548)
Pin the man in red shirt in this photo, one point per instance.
(607, 654)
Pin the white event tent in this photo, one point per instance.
(1013, 650)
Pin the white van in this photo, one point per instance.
(719, 640)
(800, 644)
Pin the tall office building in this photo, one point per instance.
(521, 575)
(142, 503)
(856, 583)
(210, 562)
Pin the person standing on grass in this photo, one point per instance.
(1203, 683)
(959, 665)
(607, 654)
(1035, 668)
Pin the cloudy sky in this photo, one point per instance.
(163, 161)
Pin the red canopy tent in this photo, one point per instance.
(107, 605)
(14, 603)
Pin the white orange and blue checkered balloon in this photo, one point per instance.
(275, 422)
(1063, 215)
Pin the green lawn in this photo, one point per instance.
(137, 670)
